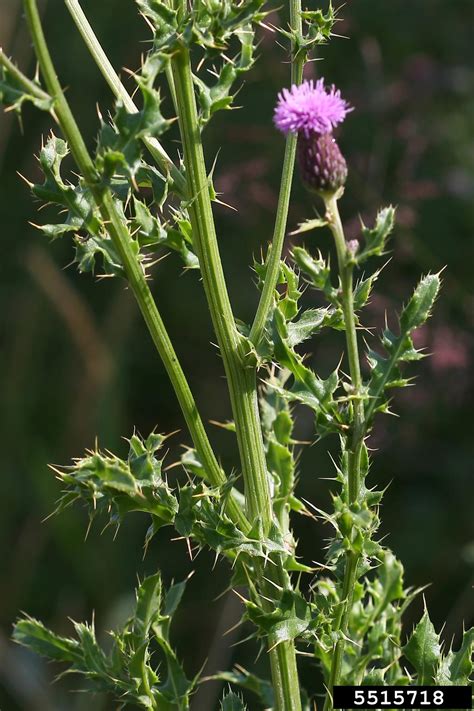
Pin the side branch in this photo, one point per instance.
(233, 347)
(276, 248)
(111, 77)
(122, 242)
(241, 376)
(23, 80)
(356, 438)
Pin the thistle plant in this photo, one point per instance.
(125, 203)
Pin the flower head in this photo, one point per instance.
(310, 108)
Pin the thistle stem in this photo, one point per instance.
(23, 80)
(240, 374)
(276, 248)
(232, 345)
(123, 243)
(356, 438)
(111, 77)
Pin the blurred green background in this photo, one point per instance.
(76, 361)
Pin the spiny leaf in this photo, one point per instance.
(363, 290)
(318, 273)
(423, 650)
(152, 233)
(217, 96)
(291, 617)
(400, 348)
(13, 94)
(119, 148)
(107, 482)
(311, 322)
(232, 702)
(317, 29)
(122, 672)
(375, 238)
(212, 25)
(33, 634)
(461, 664)
(309, 225)
(277, 424)
(246, 680)
(82, 212)
(458, 667)
(308, 388)
(391, 578)
(419, 307)
(148, 606)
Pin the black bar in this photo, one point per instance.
(402, 697)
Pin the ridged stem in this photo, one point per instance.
(233, 347)
(356, 437)
(122, 241)
(240, 375)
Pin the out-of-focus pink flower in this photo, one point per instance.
(450, 350)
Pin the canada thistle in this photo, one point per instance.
(312, 111)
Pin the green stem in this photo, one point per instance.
(375, 399)
(356, 438)
(23, 80)
(276, 249)
(233, 347)
(123, 243)
(111, 77)
(240, 375)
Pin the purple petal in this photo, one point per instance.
(310, 108)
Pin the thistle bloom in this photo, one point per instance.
(312, 111)
(310, 108)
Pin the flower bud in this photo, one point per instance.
(322, 165)
(353, 247)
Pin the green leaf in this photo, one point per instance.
(291, 617)
(458, 667)
(108, 483)
(309, 225)
(363, 290)
(159, 13)
(33, 634)
(307, 388)
(423, 650)
(385, 372)
(147, 607)
(376, 238)
(418, 309)
(232, 702)
(391, 577)
(123, 672)
(13, 94)
(81, 210)
(461, 664)
(317, 29)
(318, 273)
(119, 149)
(311, 322)
(151, 233)
(246, 680)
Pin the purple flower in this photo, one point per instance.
(310, 108)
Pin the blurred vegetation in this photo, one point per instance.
(76, 361)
